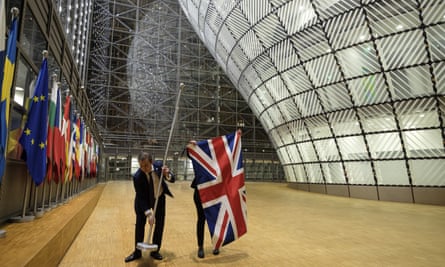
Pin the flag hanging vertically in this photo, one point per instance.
(6, 83)
(35, 132)
(66, 133)
(2, 39)
(218, 168)
(50, 139)
(55, 146)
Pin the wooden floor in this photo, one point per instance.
(286, 227)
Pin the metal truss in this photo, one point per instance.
(140, 52)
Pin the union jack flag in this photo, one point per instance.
(218, 167)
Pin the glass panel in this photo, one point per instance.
(439, 74)
(308, 104)
(391, 172)
(428, 172)
(277, 89)
(418, 113)
(387, 17)
(435, 36)
(251, 45)
(327, 150)
(433, 11)
(311, 43)
(314, 173)
(296, 80)
(385, 146)
(423, 143)
(359, 172)
(334, 97)
(323, 70)
(359, 60)
(368, 90)
(284, 133)
(344, 122)
(294, 156)
(411, 82)
(254, 10)
(307, 152)
(300, 174)
(283, 56)
(289, 109)
(334, 173)
(353, 148)
(299, 131)
(377, 118)
(289, 172)
(329, 8)
(402, 50)
(270, 31)
(347, 29)
(296, 15)
(32, 39)
(318, 126)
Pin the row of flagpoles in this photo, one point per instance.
(54, 141)
(56, 144)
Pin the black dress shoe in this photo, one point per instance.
(200, 253)
(133, 256)
(215, 251)
(156, 255)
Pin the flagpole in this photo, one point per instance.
(147, 245)
(24, 217)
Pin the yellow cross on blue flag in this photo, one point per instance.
(7, 72)
(35, 132)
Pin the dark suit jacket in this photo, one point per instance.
(157, 165)
(145, 197)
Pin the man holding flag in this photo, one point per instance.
(35, 132)
(219, 179)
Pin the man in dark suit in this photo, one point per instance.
(146, 181)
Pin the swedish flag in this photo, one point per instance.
(35, 132)
(8, 73)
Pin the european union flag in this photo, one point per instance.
(5, 85)
(35, 133)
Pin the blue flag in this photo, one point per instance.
(35, 133)
(7, 73)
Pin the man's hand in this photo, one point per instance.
(151, 219)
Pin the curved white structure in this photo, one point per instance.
(350, 92)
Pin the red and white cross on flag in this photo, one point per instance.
(218, 167)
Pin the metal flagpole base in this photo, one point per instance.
(2, 233)
(20, 219)
(145, 246)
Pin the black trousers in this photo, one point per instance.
(141, 220)
(201, 219)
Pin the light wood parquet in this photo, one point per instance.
(286, 227)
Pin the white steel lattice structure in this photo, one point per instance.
(349, 91)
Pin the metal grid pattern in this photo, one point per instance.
(349, 91)
(140, 52)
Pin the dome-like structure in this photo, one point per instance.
(350, 92)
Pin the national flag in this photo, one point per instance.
(7, 73)
(77, 157)
(51, 118)
(55, 146)
(66, 134)
(35, 132)
(218, 168)
(59, 142)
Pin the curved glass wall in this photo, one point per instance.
(350, 92)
